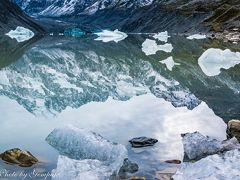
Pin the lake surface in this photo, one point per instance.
(116, 90)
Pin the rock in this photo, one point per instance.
(127, 167)
(142, 142)
(166, 174)
(218, 166)
(197, 146)
(137, 178)
(233, 129)
(175, 161)
(19, 157)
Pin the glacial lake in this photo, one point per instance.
(117, 90)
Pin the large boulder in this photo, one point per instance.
(142, 142)
(19, 157)
(233, 129)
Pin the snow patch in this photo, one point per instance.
(21, 34)
(150, 47)
(169, 63)
(107, 36)
(213, 60)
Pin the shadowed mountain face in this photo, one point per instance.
(12, 16)
(141, 15)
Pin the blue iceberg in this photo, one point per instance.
(74, 32)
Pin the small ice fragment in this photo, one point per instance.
(150, 47)
(169, 63)
(213, 60)
(162, 36)
(21, 34)
(107, 36)
(197, 36)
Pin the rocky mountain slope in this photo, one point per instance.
(12, 16)
(141, 15)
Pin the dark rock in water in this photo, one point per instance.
(142, 142)
(175, 161)
(127, 167)
(19, 157)
(233, 129)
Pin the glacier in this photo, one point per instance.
(215, 167)
(169, 63)
(85, 154)
(150, 47)
(21, 34)
(213, 60)
(107, 36)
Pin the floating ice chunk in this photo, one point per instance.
(107, 36)
(197, 146)
(150, 47)
(21, 34)
(216, 167)
(197, 36)
(74, 32)
(81, 144)
(162, 36)
(89, 155)
(212, 60)
(81, 169)
(169, 63)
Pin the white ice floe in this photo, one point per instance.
(169, 63)
(107, 36)
(21, 34)
(197, 146)
(213, 60)
(197, 36)
(150, 47)
(85, 154)
(215, 167)
(162, 36)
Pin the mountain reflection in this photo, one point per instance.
(55, 73)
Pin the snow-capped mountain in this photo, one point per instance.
(57, 8)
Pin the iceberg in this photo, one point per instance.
(213, 60)
(74, 32)
(197, 36)
(107, 36)
(85, 154)
(162, 36)
(197, 146)
(215, 167)
(150, 47)
(21, 34)
(169, 63)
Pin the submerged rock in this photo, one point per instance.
(175, 161)
(219, 166)
(127, 167)
(19, 157)
(142, 142)
(233, 129)
(197, 146)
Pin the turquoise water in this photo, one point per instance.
(113, 89)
